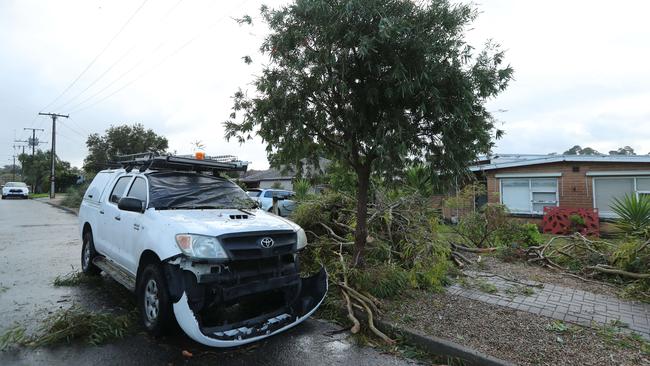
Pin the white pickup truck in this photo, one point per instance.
(192, 245)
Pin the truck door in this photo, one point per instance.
(132, 227)
(110, 229)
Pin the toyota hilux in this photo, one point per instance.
(194, 247)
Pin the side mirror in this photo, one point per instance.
(130, 204)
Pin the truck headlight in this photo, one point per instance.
(200, 246)
(302, 238)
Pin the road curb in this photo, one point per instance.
(438, 346)
(66, 209)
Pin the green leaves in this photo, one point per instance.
(121, 140)
(634, 214)
(374, 85)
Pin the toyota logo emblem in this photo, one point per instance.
(266, 242)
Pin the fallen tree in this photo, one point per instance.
(404, 250)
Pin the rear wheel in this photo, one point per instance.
(88, 254)
(153, 300)
(3, 196)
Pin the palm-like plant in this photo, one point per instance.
(301, 187)
(633, 214)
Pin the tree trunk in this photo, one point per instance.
(361, 232)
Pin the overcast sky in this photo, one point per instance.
(581, 70)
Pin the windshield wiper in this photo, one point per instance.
(246, 212)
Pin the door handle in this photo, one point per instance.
(101, 212)
(118, 218)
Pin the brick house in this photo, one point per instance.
(527, 183)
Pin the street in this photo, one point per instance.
(40, 242)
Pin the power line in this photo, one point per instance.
(78, 107)
(120, 59)
(98, 55)
(79, 126)
(73, 130)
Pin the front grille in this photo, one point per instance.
(242, 246)
(16, 191)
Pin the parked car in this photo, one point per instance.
(194, 246)
(15, 189)
(265, 199)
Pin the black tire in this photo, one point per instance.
(88, 253)
(3, 196)
(153, 301)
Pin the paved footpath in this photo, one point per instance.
(562, 303)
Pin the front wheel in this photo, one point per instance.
(88, 253)
(153, 300)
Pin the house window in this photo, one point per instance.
(529, 195)
(610, 188)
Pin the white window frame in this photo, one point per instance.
(627, 175)
(531, 203)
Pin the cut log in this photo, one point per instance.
(620, 272)
(472, 250)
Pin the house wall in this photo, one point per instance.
(286, 184)
(574, 188)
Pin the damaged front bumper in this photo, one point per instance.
(312, 291)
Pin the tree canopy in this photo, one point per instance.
(577, 150)
(626, 150)
(376, 85)
(36, 172)
(121, 140)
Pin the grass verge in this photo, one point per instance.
(39, 195)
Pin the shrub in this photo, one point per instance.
(74, 195)
(511, 253)
(632, 256)
(525, 235)
(301, 187)
(633, 213)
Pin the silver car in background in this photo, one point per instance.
(265, 199)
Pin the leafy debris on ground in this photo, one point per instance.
(67, 325)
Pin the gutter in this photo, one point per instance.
(69, 210)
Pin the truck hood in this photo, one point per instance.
(215, 222)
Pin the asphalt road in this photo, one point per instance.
(39, 242)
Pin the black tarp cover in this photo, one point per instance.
(189, 190)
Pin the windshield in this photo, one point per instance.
(15, 184)
(254, 193)
(173, 190)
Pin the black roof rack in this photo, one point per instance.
(151, 160)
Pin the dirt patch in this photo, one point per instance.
(525, 271)
(512, 335)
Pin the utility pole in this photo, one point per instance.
(14, 167)
(33, 142)
(53, 151)
(23, 146)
